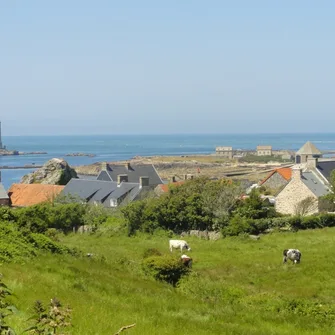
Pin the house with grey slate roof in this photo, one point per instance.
(4, 198)
(107, 193)
(303, 184)
(130, 174)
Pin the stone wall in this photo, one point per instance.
(4, 202)
(276, 181)
(294, 192)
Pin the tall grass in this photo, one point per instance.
(237, 286)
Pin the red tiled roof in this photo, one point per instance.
(165, 187)
(285, 172)
(22, 195)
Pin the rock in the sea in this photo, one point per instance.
(56, 171)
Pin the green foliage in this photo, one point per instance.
(151, 252)
(52, 320)
(253, 207)
(6, 309)
(327, 203)
(197, 204)
(42, 242)
(165, 268)
(13, 246)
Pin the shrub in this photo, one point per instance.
(151, 252)
(43, 242)
(165, 268)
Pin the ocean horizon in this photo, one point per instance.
(124, 147)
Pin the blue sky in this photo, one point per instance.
(113, 67)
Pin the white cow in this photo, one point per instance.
(293, 254)
(179, 244)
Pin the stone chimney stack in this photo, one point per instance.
(122, 178)
(104, 166)
(144, 181)
(296, 172)
(312, 162)
(128, 167)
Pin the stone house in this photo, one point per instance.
(277, 178)
(307, 151)
(226, 152)
(303, 185)
(264, 150)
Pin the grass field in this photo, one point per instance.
(238, 286)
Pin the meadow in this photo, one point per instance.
(237, 285)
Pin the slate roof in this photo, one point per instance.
(314, 183)
(325, 168)
(23, 195)
(285, 172)
(134, 173)
(308, 149)
(100, 191)
(3, 192)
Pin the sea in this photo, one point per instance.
(122, 147)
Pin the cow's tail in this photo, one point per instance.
(285, 252)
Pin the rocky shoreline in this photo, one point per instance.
(78, 154)
(19, 153)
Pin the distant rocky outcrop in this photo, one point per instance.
(56, 171)
(75, 154)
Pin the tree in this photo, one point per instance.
(305, 206)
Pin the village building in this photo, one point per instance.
(307, 182)
(264, 150)
(130, 173)
(226, 152)
(308, 150)
(277, 179)
(24, 195)
(106, 192)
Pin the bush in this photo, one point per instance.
(165, 268)
(151, 252)
(43, 242)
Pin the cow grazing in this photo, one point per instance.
(179, 244)
(293, 254)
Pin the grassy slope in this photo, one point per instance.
(237, 287)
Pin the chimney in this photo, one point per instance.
(122, 178)
(104, 166)
(296, 172)
(173, 179)
(312, 162)
(185, 176)
(144, 181)
(128, 166)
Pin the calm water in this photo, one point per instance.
(122, 147)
